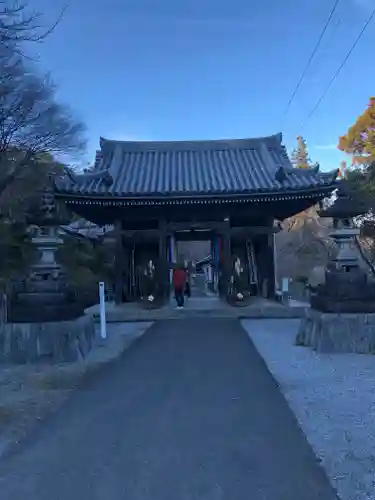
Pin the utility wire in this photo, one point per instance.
(307, 67)
(328, 88)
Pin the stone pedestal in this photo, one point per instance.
(337, 333)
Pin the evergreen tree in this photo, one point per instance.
(300, 156)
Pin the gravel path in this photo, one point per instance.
(189, 412)
(333, 397)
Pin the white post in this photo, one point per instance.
(209, 273)
(103, 325)
(285, 289)
(285, 285)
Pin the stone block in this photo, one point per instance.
(337, 333)
(53, 341)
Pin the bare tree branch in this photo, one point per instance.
(19, 24)
(318, 242)
(32, 122)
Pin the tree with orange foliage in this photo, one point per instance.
(359, 142)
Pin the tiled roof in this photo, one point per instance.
(87, 229)
(194, 168)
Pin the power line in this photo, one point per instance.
(328, 88)
(307, 67)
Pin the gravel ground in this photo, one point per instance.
(333, 397)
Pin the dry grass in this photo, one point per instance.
(59, 379)
(6, 415)
(29, 394)
(28, 391)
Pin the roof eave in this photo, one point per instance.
(193, 197)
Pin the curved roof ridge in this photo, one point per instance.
(274, 140)
(331, 174)
(80, 179)
(95, 175)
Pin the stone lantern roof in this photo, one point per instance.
(347, 204)
(44, 211)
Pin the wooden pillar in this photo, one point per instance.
(171, 257)
(119, 261)
(226, 256)
(271, 266)
(265, 259)
(211, 271)
(164, 272)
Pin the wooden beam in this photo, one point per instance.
(141, 235)
(279, 209)
(191, 226)
(194, 235)
(252, 230)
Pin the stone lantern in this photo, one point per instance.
(46, 237)
(346, 287)
(341, 318)
(43, 293)
(46, 319)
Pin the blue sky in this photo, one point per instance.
(149, 70)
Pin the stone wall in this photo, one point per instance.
(337, 333)
(52, 341)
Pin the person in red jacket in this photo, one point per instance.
(179, 284)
